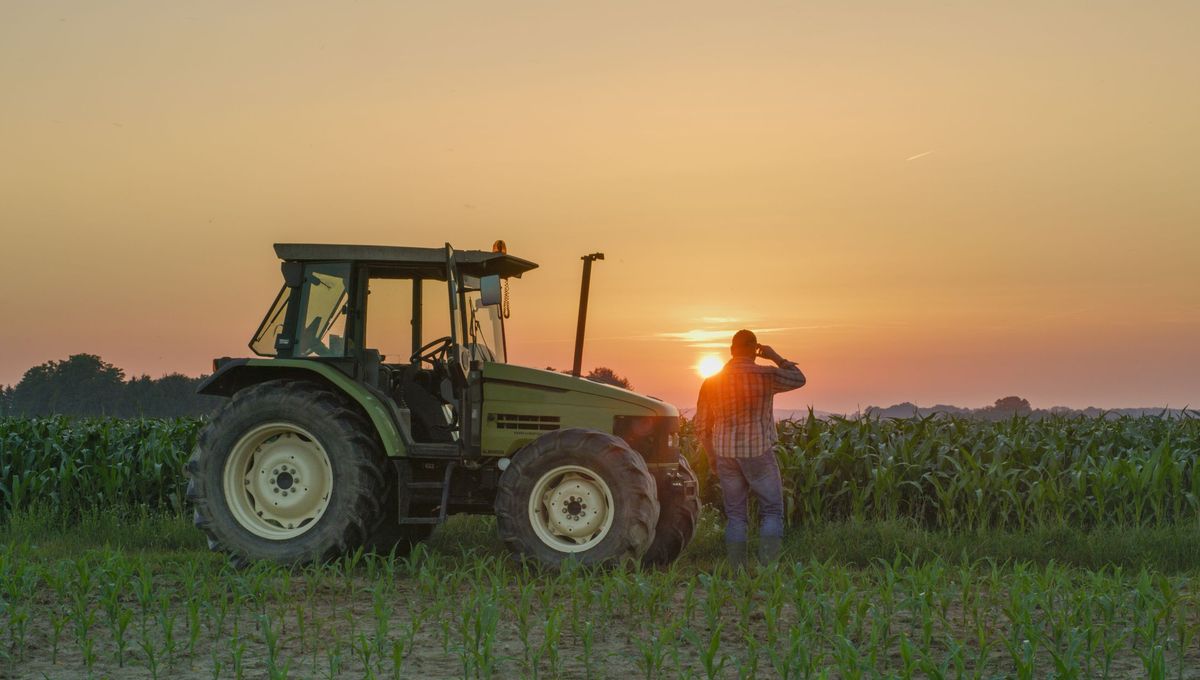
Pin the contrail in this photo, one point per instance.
(920, 155)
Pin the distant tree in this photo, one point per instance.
(1006, 408)
(602, 374)
(608, 376)
(82, 385)
(167, 397)
(1013, 405)
(86, 385)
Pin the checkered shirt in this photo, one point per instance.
(736, 406)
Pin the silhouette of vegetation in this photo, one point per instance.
(1008, 407)
(602, 374)
(1012, 406)
(86, 385)
(608, 376)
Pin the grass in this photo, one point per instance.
(1170, 549)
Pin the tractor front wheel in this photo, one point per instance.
(679, 516)
(577, 494)
(287, 471)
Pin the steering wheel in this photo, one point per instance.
(431, 351)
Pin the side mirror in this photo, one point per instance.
(489, 290)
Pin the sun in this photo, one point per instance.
(710, 364)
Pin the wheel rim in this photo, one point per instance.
(571, 508)
(278, 481)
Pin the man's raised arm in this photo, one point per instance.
(788, 376)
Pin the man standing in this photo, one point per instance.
(735, 422)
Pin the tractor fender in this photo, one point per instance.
(236, 374)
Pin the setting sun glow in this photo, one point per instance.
(710, 364)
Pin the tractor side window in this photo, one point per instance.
(435, 310)
(322, 330)
(389, 318)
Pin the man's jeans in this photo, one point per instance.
(741, 476)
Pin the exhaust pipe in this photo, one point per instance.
(583, 303)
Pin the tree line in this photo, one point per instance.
(86, 385)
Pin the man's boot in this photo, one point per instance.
(769, 548)
(735, 554)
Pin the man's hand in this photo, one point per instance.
(766, 352)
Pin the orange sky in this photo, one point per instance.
(935, 202)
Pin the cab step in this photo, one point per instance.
(444, 485)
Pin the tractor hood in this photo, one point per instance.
(564, 383)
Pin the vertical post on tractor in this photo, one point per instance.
(583, 303)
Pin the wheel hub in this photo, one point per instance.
(571, 508)
(285, 480)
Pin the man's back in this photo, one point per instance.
(736, 406)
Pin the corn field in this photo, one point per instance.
(964, 474)
(69, 465)
(435, 615)
(942, 472)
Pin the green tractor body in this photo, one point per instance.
(382, 402)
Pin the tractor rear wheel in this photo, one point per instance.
(678, 519)
(577, 494)
(287, 471)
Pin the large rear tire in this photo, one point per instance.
(577, 494)
(678, 519)
(289, 472)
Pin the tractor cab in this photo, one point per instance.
(408, 323)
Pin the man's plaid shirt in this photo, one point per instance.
(737, 406)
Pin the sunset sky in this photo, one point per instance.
(922, 201)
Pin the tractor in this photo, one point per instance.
(381, 401)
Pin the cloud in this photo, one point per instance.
(697, 335)
(718, 337)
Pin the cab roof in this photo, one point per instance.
(473, 262)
